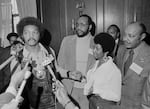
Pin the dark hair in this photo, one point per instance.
(90, 22)
(17, 42)
(12, 34)
(144, 30)
(29, 21)
(117, 28)
(147, 38)
(106, 41)
(143, 27)
(46, 37)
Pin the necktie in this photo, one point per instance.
(128, 61)
(15, 68)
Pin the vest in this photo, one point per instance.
(38, 92)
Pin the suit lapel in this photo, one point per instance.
(124, 54)
(141, 60)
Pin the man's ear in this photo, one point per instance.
(143, 36)
(118, 35)
(90, 27)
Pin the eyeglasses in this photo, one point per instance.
(81, 25)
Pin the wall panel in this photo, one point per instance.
(51, 20)
(59, 14)
(114, 13)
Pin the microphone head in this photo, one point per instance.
(47, 60)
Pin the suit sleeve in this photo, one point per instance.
(146, 95)
(61, 59)
(61, 54)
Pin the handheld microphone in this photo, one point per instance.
(26, 76)
(14, 52)
(46, 63)
(6, 62)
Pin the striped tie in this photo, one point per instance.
(128, 61)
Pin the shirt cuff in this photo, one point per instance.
(11, 90)
(76, 107)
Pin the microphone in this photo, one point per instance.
(26, 76)
(14, 52)
(6, 62)
(46, 63)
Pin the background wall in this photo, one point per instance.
(59, 16)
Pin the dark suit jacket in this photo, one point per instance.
(133, 83)
(5, 73)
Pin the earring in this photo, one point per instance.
(105, 58)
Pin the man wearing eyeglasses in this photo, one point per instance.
(76, 55)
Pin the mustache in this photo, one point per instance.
(31, 39)
(78, 30)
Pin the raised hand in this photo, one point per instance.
(75, 75)
(18, 77)
(16, 48)
(11, 105)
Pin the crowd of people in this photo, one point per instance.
(102, 71)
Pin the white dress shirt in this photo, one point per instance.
(104, 81)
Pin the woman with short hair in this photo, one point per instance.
(104, 79)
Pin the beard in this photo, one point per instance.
(81, 33)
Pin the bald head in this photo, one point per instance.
(134, 34)
(136, 28)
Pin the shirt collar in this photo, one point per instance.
(26, 53)
(85, 37)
